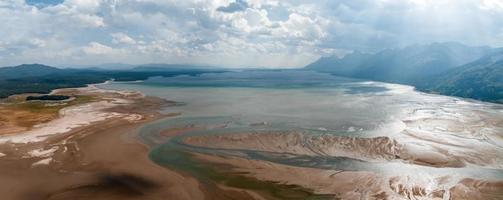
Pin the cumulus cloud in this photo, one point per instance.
(95, 48)
(37, 42)
(492, 5)
(89, 20)
(122, 38)
(239, 33)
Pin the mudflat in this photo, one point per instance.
(341, 184)
(98, 159)
(89, 148)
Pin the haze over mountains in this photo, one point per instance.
(27, 70)
(446, 68)
(38, 78)
(139, 67)
(409, 65)
(481, 79)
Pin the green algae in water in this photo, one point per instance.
(209, 173)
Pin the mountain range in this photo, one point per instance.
(27, 70)
(481, 79)
(140, 67)
(38, 78)
(445, 68)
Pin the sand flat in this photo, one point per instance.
(361, 184)
(92, 152)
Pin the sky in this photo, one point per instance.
(228, 33)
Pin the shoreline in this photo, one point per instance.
(102, 159)
(415, 88)
(75, 116)
(79, 163)
(342, 183)
(106, 159)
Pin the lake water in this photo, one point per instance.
(318, 103)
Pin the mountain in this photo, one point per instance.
(104, 66)
(481, 79)
(37, 78)
(409, 65)
(27, 70)
(170, 67)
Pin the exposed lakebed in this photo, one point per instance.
(318, 121)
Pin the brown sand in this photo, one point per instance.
(370, 149)
(477, 189)
(357, 184)
(18, 115)
(103, 160)
(15, 119)
(99, 161)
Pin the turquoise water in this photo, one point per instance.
(317, 103)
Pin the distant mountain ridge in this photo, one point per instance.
(38, 78)
(481, 79)
(106, 66)
(163, 67)
(139, 67)
(446, 68)
(409, 65)
(27, 70)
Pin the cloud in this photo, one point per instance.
(87, 6)
(496, 5)
(89, 20)
(122, 38)
(95, 48)
(37, 42)
(240, 33)
(299, 26)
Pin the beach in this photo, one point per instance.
(90, 152)
(93, 150)
(354, 181)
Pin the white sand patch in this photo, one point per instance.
(397, 88)
(133, 117)
(2, 154)
(119, 101)
(322, 129)
(95, 89)
(42, 153)
(71, 117)
(392, 88)
(42, 162)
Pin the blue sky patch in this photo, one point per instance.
(43, 3)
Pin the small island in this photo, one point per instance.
(47, 98)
